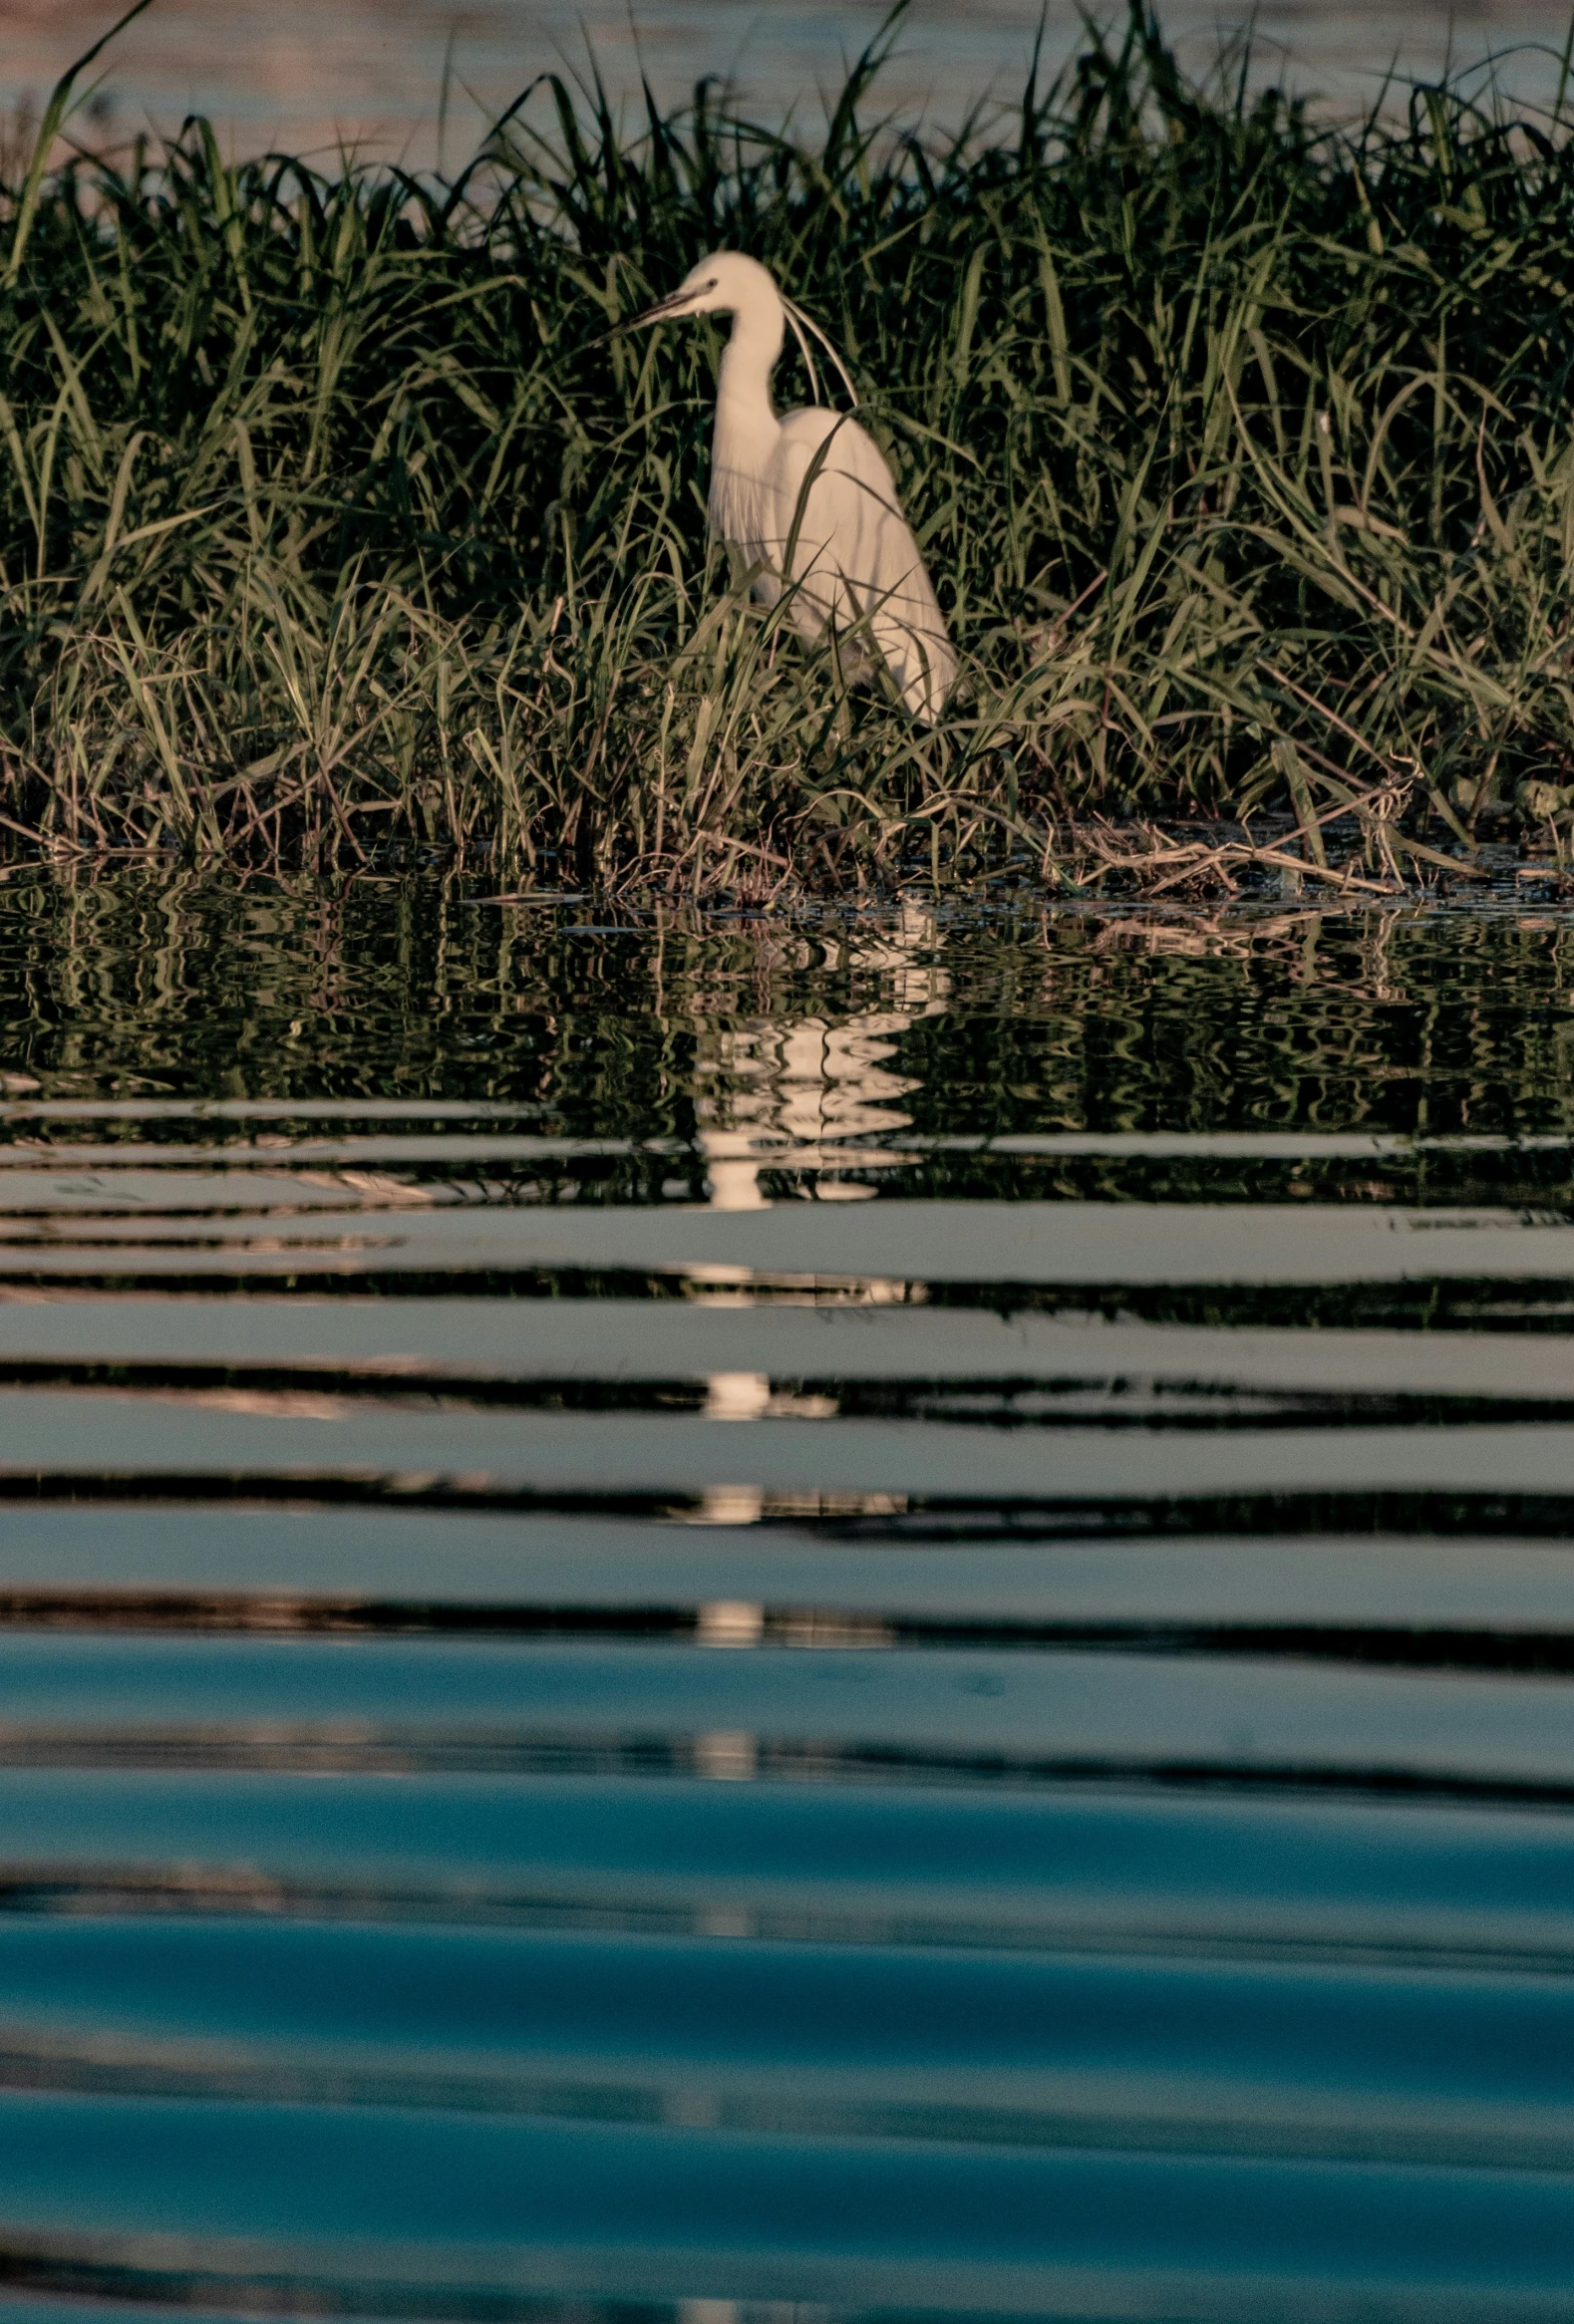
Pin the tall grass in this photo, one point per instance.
(1241, 449)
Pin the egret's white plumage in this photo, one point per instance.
(807, 497)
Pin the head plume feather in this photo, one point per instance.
(801, 324)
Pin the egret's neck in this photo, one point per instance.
(743, 401)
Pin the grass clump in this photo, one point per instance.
(1239, 448)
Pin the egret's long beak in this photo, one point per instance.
(674, 304)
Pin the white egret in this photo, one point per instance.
(807, 497)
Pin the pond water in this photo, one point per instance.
(421, 79)
(749, 1622)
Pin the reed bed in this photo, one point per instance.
(334, 529)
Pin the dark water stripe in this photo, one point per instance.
(35, 1152)
(1440, 1303)
(92, 1205)
(381, 1553)
(863, 1517)
(174, 1894)
(239, 1109)
(1196, 2117)
(1023, 1402)
(684, 1340)
(1243, 1145)
(588, 2209)
(152, 1183)
(58, 2284)
(235, 1429)
(889, 1249)
(25, 1159)
(660, 1172)
(1539, 1653)
(1048, 1243)
(738, 1756)
(958, 2028)
(1034, 1710)
(975, 1866)
(56, 2287)
(1329, 2059)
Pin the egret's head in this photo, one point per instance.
(722, 284)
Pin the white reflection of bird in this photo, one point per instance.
(808, 498)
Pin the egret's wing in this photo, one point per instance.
(843, 535)
(803, 528)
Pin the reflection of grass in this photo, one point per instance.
(1239, 451)
(199, 983)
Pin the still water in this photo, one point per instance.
(422, 79)
(732, 1622)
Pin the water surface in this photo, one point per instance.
(421, 79)
(857, 1615)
